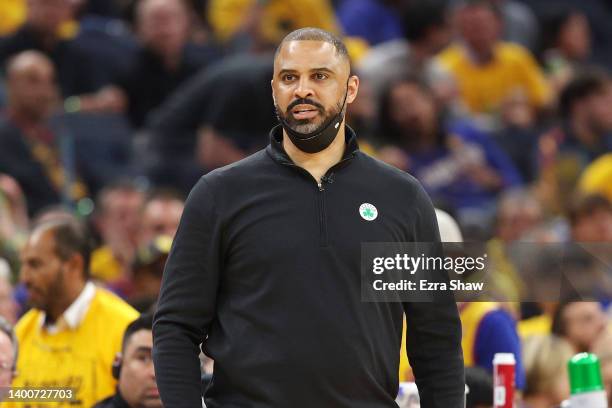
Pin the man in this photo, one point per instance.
(71, 335)
(41, 31)
(581, 323)
(219, 133)
(165, 60)
(31, 150)
(459, 165)
(590, 219)
(117, 218)
(426, 32)
(265, 266)
(584, 134)
(489, 71)
(133, 368)
(161, 215)
(8, 353)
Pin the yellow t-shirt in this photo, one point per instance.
(484, 87)
(104, 266)
(79, 358)
(535, 326)
(278, 18)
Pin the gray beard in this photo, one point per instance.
(304, 125)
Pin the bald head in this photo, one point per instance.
(31, 85)
(27, 62)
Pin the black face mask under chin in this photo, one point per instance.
(321, 138)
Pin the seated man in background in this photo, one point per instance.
(166, 59)
(71, 335)
(460, 167)
(28, 149)
(133, 368)
(488, 70)
(583, 134)
(161, 214)
(76, 72)
(591, 219)
(582, 324)
(117, 219)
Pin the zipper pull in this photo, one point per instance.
(321, 188)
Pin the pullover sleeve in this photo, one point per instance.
(433, 328)
(186, 305)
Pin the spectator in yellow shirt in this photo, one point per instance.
(268, 21)
(71, 335)
(486, 69)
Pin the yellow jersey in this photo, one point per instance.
(79, 358)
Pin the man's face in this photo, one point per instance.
(160, 217)
(163, 25)
(32, 90)
(585, 322)
(479, 27)
(121, 216)
(47, 15)
(598, 109)
(42, 271)
(310, 84)
(8, 306)
(137, 379)
(595, 227)
(513, 222)
(413, 110)
(7, 359)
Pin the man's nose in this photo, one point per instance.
(24, 275)
(303, 89)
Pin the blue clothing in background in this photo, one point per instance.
(440, 170)
(497, 334)
(370, 20)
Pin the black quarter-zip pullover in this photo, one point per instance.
(265, 271)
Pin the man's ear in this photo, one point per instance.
(272, 86)
(76, 263)
(352, 88)
(116, 367)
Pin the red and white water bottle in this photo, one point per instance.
(504, 374)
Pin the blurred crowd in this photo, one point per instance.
(110, 110)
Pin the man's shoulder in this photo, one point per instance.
(451, 56)
(513, 53)
(27, 323)
(7, 128)
(108, 304)
(106, 403)
(375, 169)
(237, 171)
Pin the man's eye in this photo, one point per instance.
(288, 77)
(320, 76)
(144, 358)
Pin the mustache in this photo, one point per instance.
(305, 101)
